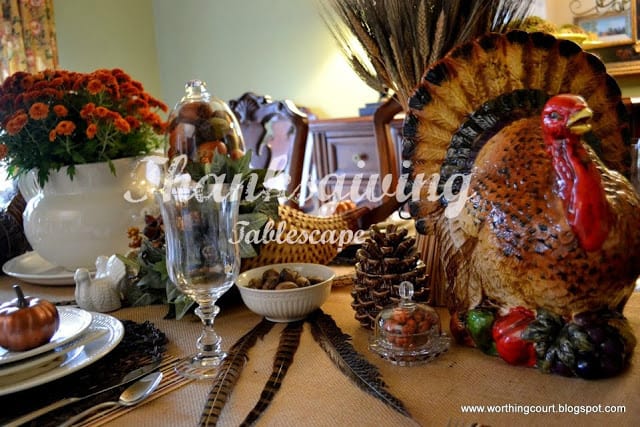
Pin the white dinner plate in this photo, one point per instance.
(91, 353)
(32, 268)
(38, 362)
(73, 321)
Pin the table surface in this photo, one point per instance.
(315, 393)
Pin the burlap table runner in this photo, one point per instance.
(315, 393)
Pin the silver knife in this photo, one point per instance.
(131, 376)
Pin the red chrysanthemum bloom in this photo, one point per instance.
(60, 110)
(17, 122)
(65, 127)
(3, 151)
(92, 129)
(94, 86)
(52, 135)
(39, 111)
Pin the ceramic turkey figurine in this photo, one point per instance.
(542, 255)
(103, 292)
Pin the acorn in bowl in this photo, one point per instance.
(27, 322)
(285, 292)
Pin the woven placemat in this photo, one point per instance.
(141, 344)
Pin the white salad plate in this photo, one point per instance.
(74, 360)
(32, 268)
(73, 322)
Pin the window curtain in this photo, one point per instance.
(27, 36)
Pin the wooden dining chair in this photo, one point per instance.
(276, 132)
(389, 162)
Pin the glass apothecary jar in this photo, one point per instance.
(408, 333)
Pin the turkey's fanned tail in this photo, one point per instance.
(339, 348)
(230, 371)
(289, 341)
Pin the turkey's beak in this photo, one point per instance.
(578, 122)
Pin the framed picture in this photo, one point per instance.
(614, 39)
(609, 29)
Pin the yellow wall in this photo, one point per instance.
(276, 47)
(96, 34)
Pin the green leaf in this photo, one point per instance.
(255, 220)
(246, 250)
(218, 164)
(183, 304)
(161, 268)
(242, 164)
(128, 261)
(112, 167)
(77, 157)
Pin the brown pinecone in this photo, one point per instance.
(386, 259)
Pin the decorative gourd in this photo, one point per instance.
(27, 322)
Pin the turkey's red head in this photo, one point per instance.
(563, 116)
(578, 181)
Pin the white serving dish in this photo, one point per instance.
(32, 268)
(286, 305)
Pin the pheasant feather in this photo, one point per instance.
(230, 371)
(339, 348)
(289, 341)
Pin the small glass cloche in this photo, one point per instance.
(201, 126)
(408, 333)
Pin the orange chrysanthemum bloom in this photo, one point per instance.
(27, 82)
(17, 122)
(92, 129)
(60, 110)
(102, 112)
(94, 86)
(57, 82)
(52, 135)
(122, 125)
(65, 127)
(3, 151)
(39, 111)
(87, 110)
(133, 122)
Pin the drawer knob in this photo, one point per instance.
(359, 159)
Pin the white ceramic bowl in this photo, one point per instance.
(286, 305)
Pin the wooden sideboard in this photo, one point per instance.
(346, 148)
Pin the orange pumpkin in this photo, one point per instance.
(27, 322)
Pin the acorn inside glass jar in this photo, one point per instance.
(201, 125)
